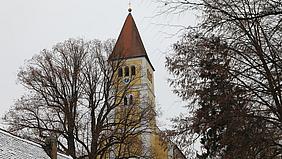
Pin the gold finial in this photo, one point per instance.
(129, 7)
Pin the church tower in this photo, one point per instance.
(129, 47)
(137, 72)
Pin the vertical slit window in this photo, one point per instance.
(126, 71)
(120, 72)
(125, 101)
(130, 99)
(133, 70)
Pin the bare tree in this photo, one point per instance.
(251, 32)
(74, 94)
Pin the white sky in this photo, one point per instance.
(28, 26)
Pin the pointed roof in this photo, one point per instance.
(129, 43)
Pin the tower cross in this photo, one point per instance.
(129, 6)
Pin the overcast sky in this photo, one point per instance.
(28, 26)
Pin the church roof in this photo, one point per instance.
(129, 43)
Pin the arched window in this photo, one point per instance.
(120, 72)
(126, 71)
(125, 101)
(133, 70)
(130, 99)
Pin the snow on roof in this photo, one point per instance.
(13, 147)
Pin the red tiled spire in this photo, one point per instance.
(129, 43)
